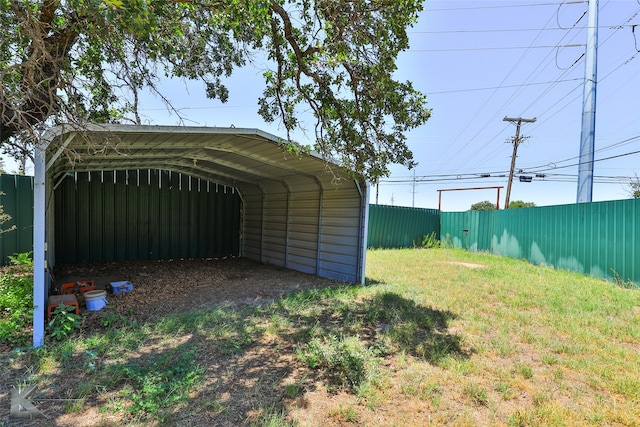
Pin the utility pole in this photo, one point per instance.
(588, 133)
(413, 190)
(516, 140)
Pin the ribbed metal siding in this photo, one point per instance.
(306, 228)
(400, 227)
(304, 211)
(471, 230)
(252, 226)
(106, 216)
(274, 229)
(16, 198)
(340, 233)
(590, 238)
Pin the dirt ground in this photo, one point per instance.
(175, 286)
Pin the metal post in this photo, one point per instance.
(39, 266)
(587, 136)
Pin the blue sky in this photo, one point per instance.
(478, 62)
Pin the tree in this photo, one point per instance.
(483, 206)
(78, 61)
(520, 204)
(634, 187)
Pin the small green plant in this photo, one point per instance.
(345, 413)
(477, 394)
(348, 362)
(292, 390)
(63, 321)
(524, 370)
(23, 258)
(431, 241)
(619, 281)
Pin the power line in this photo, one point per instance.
(456, 9)
(503, 87)
(475, 49)
(513, 30)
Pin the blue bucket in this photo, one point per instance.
(96, 300)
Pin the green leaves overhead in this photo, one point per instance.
(86, 60)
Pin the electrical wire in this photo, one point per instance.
(457, 9)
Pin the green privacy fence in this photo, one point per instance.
(601, 239)
(144, 214)
(16, 198)
(400, 227)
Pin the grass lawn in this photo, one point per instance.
(436, 337)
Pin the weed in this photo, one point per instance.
(63, 322)
(74, 406)
(347, 361)
(431, 241)
(505, 390)
(272, 418)
(520, 418)
(418, 386)
(160, 383)
(619, 281)
(477, 394)
(524, 370)
(345, 413)
(23, 258)
(540, 399)
(292, 390)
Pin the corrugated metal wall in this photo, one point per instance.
(303, 231)
(472, 230)
(400, 227)
(16, 198)
(591, 238)
(281, 227)
(144, 214)
(340, 234)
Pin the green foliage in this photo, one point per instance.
(520, 204)
(335, 59)
(16, 305)
(63, 322)
(634, 187)
(348, 361)
(626, 284)
(156, 384)
(22, 258)
(431, 241)
(4, 217)
(483, 206)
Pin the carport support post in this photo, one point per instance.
(39, 269)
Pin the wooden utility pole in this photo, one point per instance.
(516, 140)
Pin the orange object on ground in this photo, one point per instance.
(56, 300)
(82, 287)
(68, 288)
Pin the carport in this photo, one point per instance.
(292, 212)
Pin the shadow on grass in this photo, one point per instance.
(229, 366)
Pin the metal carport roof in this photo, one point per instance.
(324, 215)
